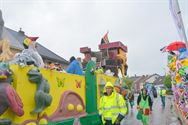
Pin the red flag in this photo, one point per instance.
(105, 39)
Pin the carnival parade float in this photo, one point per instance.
(178, 69)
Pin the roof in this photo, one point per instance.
(155, 79)
(133, 78)
(159, 81)
(16, 40)
(152, 78)
(46, 53)
(13, 40)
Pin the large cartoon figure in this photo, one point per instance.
(29, 55)
(8, 95)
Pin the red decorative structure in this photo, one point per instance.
(113, 45)
(111, 56)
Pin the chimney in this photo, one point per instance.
(21, 32)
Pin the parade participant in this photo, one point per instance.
(99, 70)
(143, 106)
(80, 62)
(149, 88)
(51, 66)
(152, 94)
(112, 108)
(162, 95)
(131, 99)
(74, 67)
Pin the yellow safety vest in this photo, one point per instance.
(100, 71)
(163, 92)
(111, 106)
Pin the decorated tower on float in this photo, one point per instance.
(112, 56)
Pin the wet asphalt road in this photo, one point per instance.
(159, 115)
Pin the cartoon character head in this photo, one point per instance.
(35, 75)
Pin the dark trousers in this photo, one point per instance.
(116, 124)
(151, 106)
(109, 122)
(163, 100)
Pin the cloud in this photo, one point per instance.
(65, 26)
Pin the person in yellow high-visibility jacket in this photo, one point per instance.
(112, 108)
(163, 94)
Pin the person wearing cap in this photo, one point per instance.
(131, 99)
(143, 105)
(74, 67)
(112, 108)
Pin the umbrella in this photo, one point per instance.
(175, 46)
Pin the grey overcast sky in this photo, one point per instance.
(64, 26)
